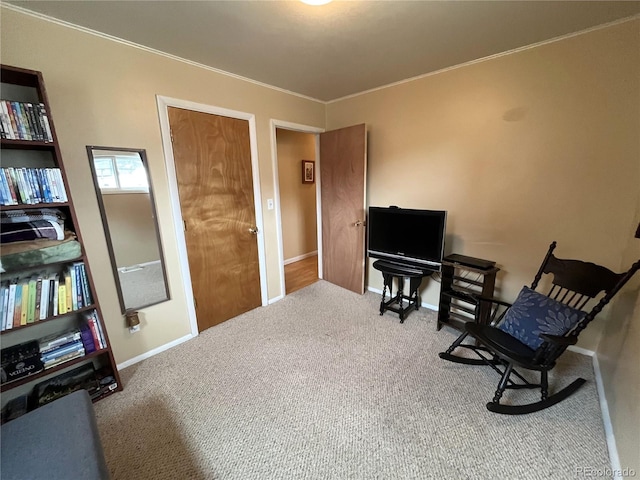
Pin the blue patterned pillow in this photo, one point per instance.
(533, 313)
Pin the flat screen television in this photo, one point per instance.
(410, 237)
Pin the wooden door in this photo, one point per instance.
(213, 167)
(343, 162)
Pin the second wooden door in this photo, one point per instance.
(343, 168)
(212, 156)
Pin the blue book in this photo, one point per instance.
(86, 291)
(62, 350)
(44, 183)
(3, 196)
(87, 339)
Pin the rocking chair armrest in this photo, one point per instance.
(559, 340)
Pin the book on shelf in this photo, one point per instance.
(68, 350)
(74, 288)
(55, 340)
(24, 308)
(44, 120)
(17, 304)
(25, 121)
(91, 318)
(20, 361)
(63, 359)
(10, 306)
(77, 277)
(62, 298)
(6, 122)
(5, 191)
(31, 299)
(28, 186)
(88, 340)
(44, 298)
(2, 303)
(4, 300)
(54, 297)
(62, 350)
(86, 291)
(12, 121)
(27, 300)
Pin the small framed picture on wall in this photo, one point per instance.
(308, 171)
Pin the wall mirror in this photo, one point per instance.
(125, 198)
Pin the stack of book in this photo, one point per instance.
(61, 347)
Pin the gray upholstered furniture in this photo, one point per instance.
(59, 440)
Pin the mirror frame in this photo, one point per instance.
(105, 223)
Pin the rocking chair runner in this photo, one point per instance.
(536, 329)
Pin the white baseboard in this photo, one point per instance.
(300, 257)
(153, 352)
(604, 408)
(422, 304)
(616, 468)
(581, 351)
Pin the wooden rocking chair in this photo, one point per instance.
(536, 329)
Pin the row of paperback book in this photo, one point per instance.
(24, 121)
(40, 296)
(31, 185)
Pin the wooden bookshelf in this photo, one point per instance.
(22, 85)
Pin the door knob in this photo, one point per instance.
(253, 230)
(358, 223)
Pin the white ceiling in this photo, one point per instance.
(339, 49)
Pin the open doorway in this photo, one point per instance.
(296, 153)
(340, 194)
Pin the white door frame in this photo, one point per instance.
(275, 124)
(163, 104)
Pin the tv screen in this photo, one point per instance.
(407, 236)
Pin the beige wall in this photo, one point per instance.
(297, 199)
(104, 93)
(523, 149)
(131, 227)
(618, 359)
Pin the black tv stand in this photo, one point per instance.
(391, 270)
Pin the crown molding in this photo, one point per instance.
(127, 43)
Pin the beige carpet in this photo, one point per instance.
(319, 386)
(143, 286)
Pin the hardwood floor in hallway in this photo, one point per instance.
(300, 274)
